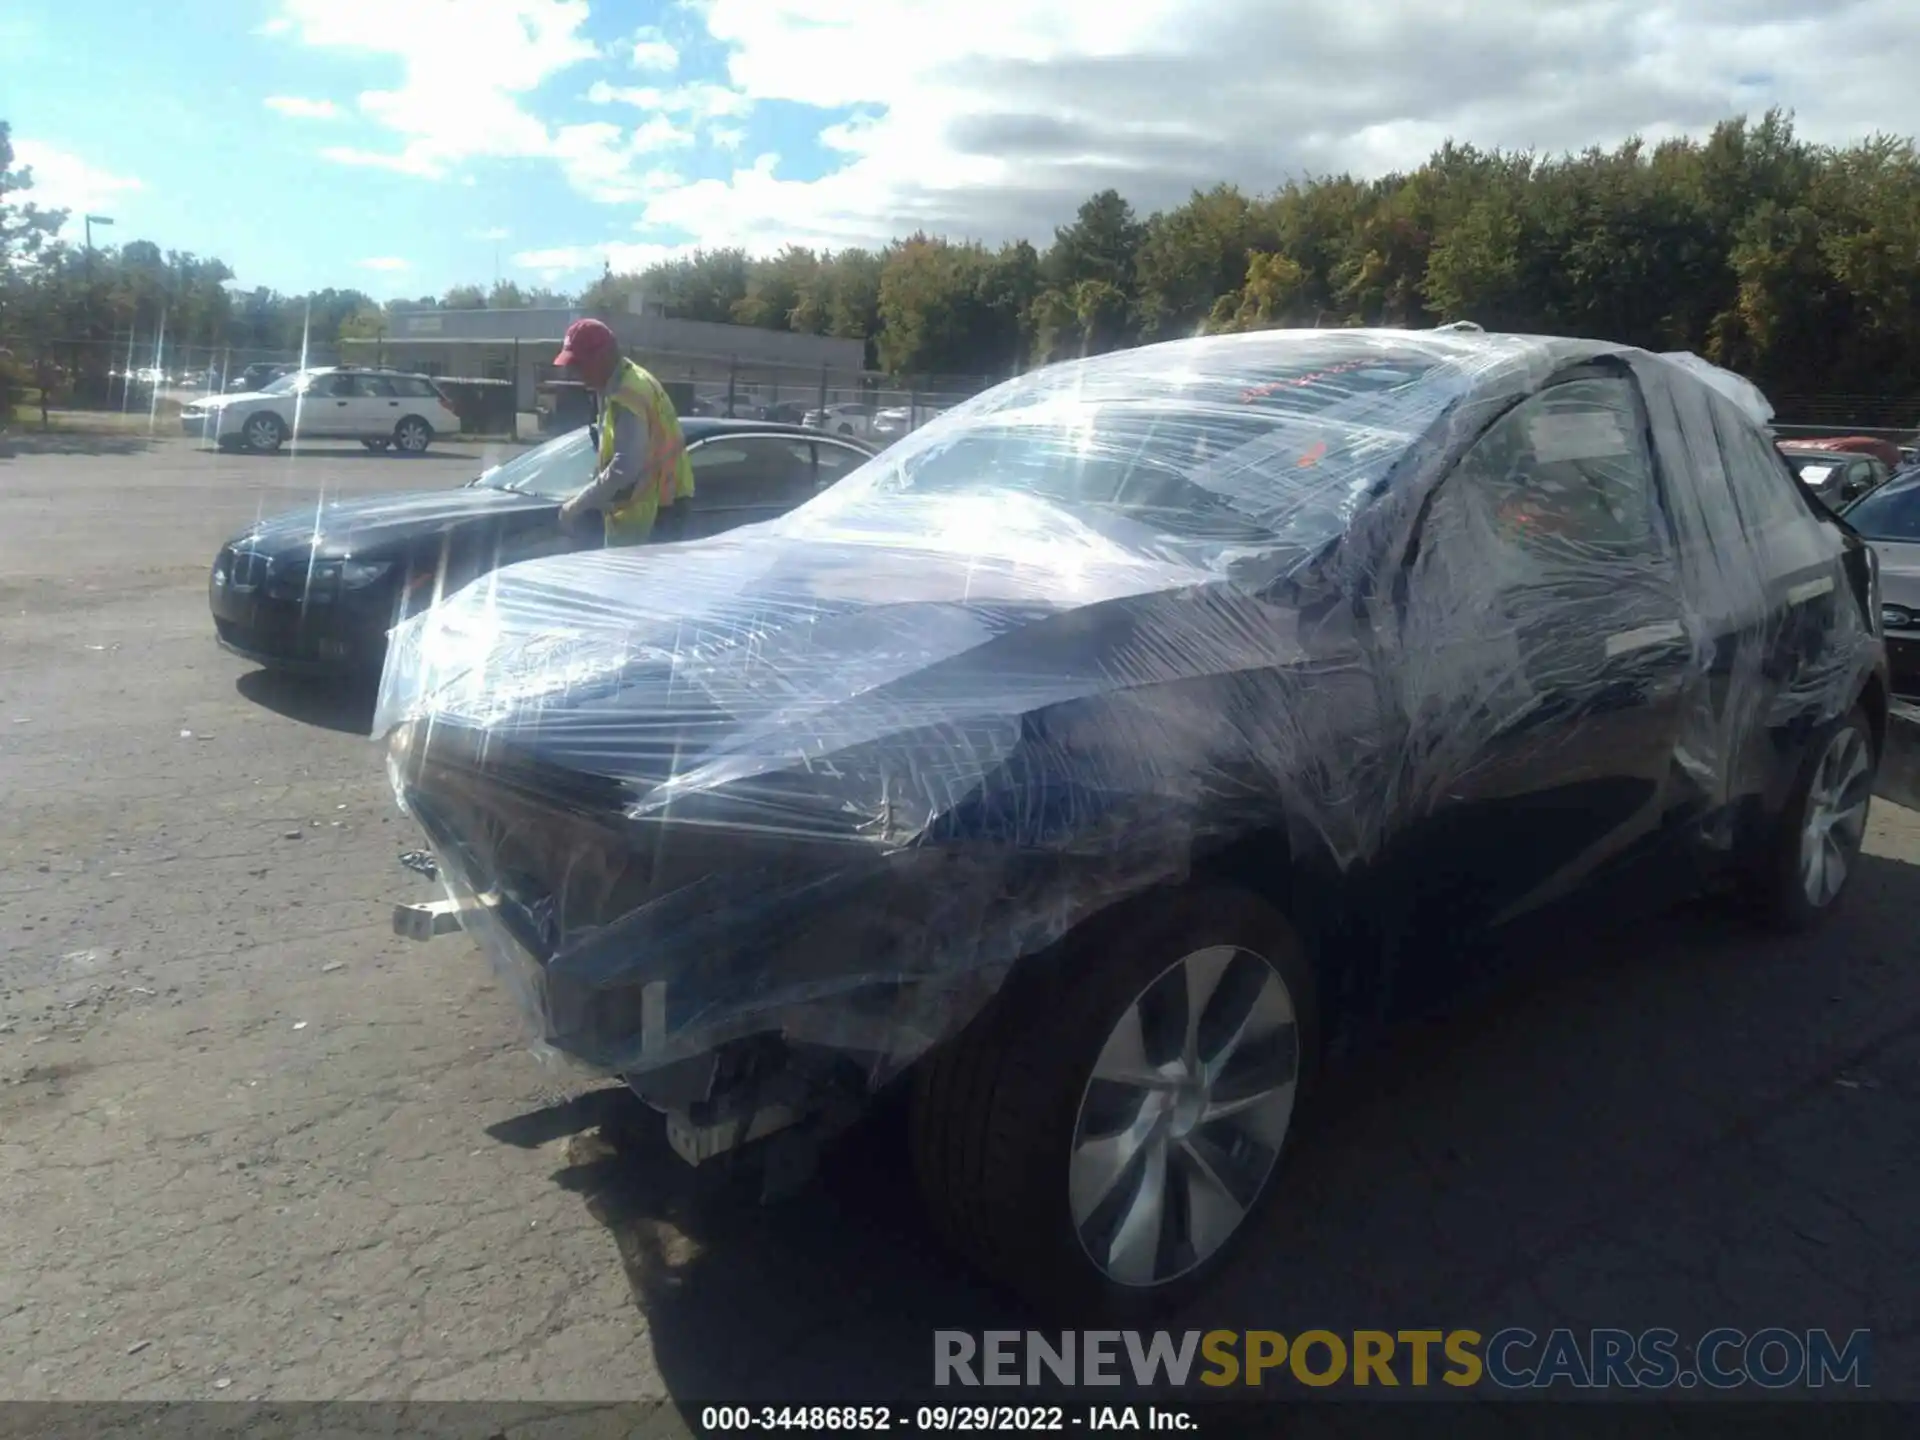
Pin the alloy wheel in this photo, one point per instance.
(413, 436)
(262, 432)
(1836, 816)
(1183, 1118)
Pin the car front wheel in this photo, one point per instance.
(1100, 1139)
(264, 433)
(412, 435)
(1814, 846)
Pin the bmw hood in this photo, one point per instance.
(779, 647)
(357, 526)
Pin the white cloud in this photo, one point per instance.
(302, 109)
(726, 137)
(602, 161)
(63, 181)
(651, 50)
(563, 262)
(386, 262)
(465, 68)
(405, 163)
(697, 100)
(994, 119)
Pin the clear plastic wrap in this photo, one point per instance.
(1749, 397)
(1351, 595)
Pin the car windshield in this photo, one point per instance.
(552, 471)
(1890, 513)
(1198, 461)
(286, 384)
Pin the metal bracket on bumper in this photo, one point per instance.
(697, 1144)
(426, 919)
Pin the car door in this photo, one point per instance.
(375, 407)
(1797, 553)
(745, 479)
(1543, 660)
(327, 407)
(834, 461)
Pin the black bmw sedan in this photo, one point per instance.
(315, 591)
(1114, 748)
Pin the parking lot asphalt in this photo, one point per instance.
(251, 1144)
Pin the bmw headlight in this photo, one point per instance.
(319, 580)
(1896, 617)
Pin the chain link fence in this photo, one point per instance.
(140, 372)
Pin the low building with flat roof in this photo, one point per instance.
(519, 345)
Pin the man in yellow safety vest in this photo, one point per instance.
(642, 468)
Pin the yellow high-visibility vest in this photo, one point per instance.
(629, 521)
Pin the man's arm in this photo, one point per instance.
(624, 471)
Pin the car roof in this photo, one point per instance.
(700, 427)
(360, 370)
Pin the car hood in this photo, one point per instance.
(772, 648)
(356, 526)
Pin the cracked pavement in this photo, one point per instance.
(253, 1145)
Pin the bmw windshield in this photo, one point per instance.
(553, 471)
(1196, 462)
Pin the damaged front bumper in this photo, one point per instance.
(723, 1100)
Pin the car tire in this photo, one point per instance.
(264, 433)
(1011, 1126)
(1800, 873)
(844, 430)
(412, 436)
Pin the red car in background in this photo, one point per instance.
(1884, 451)
(1842, 469)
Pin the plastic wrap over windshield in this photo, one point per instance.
(831, 776)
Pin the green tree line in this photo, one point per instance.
(1794, 263)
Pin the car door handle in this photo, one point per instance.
(1628, 641)
(393, 404)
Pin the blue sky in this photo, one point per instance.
(403, 146)
(245, 134)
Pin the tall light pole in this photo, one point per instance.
(90, 221)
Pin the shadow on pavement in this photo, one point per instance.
(15, 443)
(342, 705)
(1649, 1129)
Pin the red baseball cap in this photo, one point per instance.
(585, 340)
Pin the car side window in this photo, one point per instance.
(1562, 483)
(751, 473)
(836, 462)
(373, 387)
(337, 386)
(412, 386)
(1762, 482)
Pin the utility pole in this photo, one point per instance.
(89, 221)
